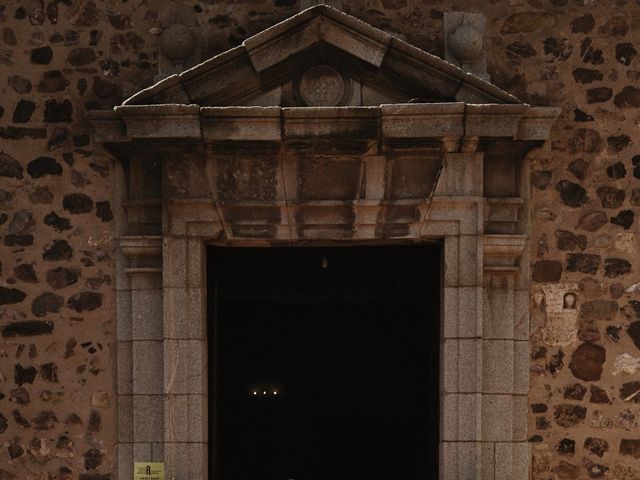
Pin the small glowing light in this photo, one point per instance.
(275, 393)
(264, 393)
(255, 393)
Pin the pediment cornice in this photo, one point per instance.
(269, 58)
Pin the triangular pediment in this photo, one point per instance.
(321, 57)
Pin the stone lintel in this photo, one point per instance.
(416, 119)
(346, 122)
(457, 124)
(493, 120)
(241, 124)
(536, 123)
(161, 121)
(109, 127)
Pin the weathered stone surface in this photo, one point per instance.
(568, 415)
(22, 111)
(22, 223)
(583, 24)
(41, 55)
(93, 459)
(615, 267)
(46, 303)
(59, 250)
(526, 22)
(587, 75)
(55, 111)
(571, 194)
(77, 203)
(583, 262)
(556, 363)
(566, 240)
(62, 277)
(541, 179)
(599, 94)
(630, 447)
(45, 420)
(27, 328)
(596, 310)
(25, 273)
(43, 166)
(630, 392)
(11, 295)
(41, 195)
(618, 143)
(611, 197)
(566, 446)
(85, 301)
(10, 167)
(629, 97)
(20, 84)
(575, 391)
(103, 211)
(52, 81)
(23, 375)
(81, 56)
(592, 221)
(597, 446)
(547, 271)
(634, 332)
(598, 395)
(624, 219)
(617, 170)
(587, 361)
(58, 223)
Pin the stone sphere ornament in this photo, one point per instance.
(321, 86)
(465, 43)
(177, 42)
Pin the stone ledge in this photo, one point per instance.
(161, 121)
(136, 246)
(241, 124)
(446, 121)
(503, 252)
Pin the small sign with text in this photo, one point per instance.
(148, 471)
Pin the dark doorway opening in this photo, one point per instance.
(324, 363)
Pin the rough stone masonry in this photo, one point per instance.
(62, 58)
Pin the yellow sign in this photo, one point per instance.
(148, 471)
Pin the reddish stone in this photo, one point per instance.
(568, 415)
(547, 271)
(566, 446)
(629, 97)
(587, 361)
(630, 447)
(598, 395)
(597, 446)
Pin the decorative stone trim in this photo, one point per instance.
(428, 120)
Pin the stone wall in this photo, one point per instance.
(59, 59)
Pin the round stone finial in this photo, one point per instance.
(177, 42)
(465, 43)
(321, 86)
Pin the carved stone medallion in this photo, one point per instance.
(321, 86)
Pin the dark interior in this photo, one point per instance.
(324, 362)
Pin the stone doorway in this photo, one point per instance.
(324, 362)
(236, 152)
